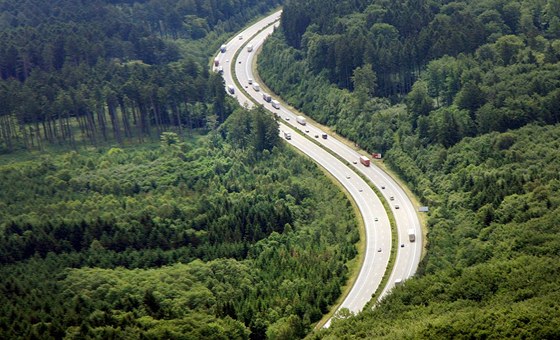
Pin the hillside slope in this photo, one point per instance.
(462, 99)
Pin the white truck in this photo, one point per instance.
(220, 70)
(411, 235)
(301, 120)
(287, 135)
(256, 87)
(275, 104)
(266, 97)
(231, 89)
(223, 48)
(249, 48)
(250, 81)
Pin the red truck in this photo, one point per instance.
(364, 160)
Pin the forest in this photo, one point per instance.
(94, 72)
(462, 98)
(177, 239)
(137, 200)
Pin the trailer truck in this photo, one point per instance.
(301, 120)
(411, 235)
(364, 160)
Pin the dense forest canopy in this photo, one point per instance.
(88, 72)
(400, 37)
(463, 100)
(180, 239)
(216, 232)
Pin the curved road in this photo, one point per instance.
(378, 233)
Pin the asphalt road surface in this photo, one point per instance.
(378, 233)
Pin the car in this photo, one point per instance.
(347, 176)
(240, 37)
(287, 118)
(354, 162)
(240, 61)
(306, 130)
(402, 245)
(392, 198)
(246, 86)
(382, 187)
(376, 219)
(360, 190)
(227, 60)
(396, 206)
(316, 136)
(379, 250)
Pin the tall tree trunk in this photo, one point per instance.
(144, 119)
(137, 122)
(157, 117)
(111, 107)
(62, 130)
(101, 120)
(38, 135)
(178, 118)
(125, 120)
(91, 126)
(82, 126)
(69, 133)
(25, 136)
(5, 132)
(46, 129)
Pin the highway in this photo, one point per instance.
(378, 233)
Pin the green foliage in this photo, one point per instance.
(255, 129)
(502, 78)
(172, 242)
(112, 71)
(491, 268)
(477, 141)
